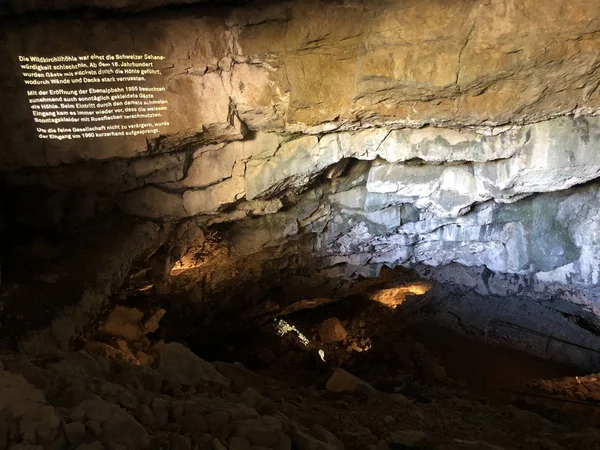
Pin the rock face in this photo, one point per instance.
(284, 68)
(336, 139)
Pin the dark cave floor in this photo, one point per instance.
(462, 392)
(371, 372)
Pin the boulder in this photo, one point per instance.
(304, 441)
(217, 445)
(238, 443)
(109, 352)
(123, 429)
(342, 381)
(124, 322)
(265, 431)
(75, 432)
(38, 421)
(325, 435)
(179, 364)
(151, 324)
(332, 331)
(179, 442)
(128, 401)
(146, 417)
(7, 427)
(160, 408)
(408, 438)
(111, 424)
(193, 422)
(218, 423)
(253, 399)
(124, 347)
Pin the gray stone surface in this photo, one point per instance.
(179, 364)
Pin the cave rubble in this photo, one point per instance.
(341, 192)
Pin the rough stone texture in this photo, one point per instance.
(369, 134)
(332, 330)
(342, 381)
(79, 283)
(282, 68)
(179, 364)
(409, 439)
(79, 394)
(24, 6)
(38, 421)
(124, 322)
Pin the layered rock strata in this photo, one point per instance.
(333, 139)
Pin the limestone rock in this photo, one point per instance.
(123, 346)
(38, 421)
(326, 436)
(179, 442)
(110, 5)
(316, 142)
(146, 417)
(342, 381)
(124, 322)
(408, 438)
(160, 408)
(238, 443)
(402, 400)
(304, 441)
(217, 445)
(264, 431)
(253, 399)
(218, 423)
(179, 364)
(111, 423)
(7, 427)
(75, 432)
(193, 422)
(151, 324)
(143, 358)
(150, 201)
(332, 331)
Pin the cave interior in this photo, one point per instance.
(299, 225)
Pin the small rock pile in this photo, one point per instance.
(579, 395)
(82, 402)
(343, 341)
(585, 388)
(109, 397)
(125, 333)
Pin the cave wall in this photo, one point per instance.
(313, 67)
(313, 142)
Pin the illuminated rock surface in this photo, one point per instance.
(370, 134)
(309, 145)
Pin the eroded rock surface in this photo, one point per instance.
(310, 144)
(317, 67)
